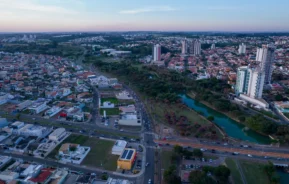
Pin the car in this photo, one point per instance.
(147, 164)
(225, 144)
(249, 155)
(203, 149)
(245, 146)
(235, 153)
(149, 181)
(121, 130)
(210, 160)
(213, 151)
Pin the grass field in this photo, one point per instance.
(111, 100)
(234, 171)
(254, 172)
(99, 155)
(166, 159)
(110, 111)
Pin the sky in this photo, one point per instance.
(143, 15)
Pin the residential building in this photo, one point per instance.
(250, 81)
(157, 52)
(195, 47)
(4, 160)
(124, 95)
(184, 46)
(38, 106)
(8, 175)
(59, 176)
(117, 181)
(57, 134)
(242, 49)
(53, 111)
(4, 98)
(73, 153)
(213, 46)
(266, 57)
(3, 122)
(126, 159)
(34, 130)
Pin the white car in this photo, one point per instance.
(150, 181)
(249, 155)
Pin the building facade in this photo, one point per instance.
(157, 52)
(242, 49)
(195, 48)
(250, 81)
(184, 46)
(266, 57)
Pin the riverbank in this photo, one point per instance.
(226, 114)
(232, 128)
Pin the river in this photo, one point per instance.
(231, 127)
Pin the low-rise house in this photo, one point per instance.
(73, 153)
(4, 160)
(57, 134)
(124, 95)
(38, 106)
(53, 111)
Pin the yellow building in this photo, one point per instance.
(126, 159)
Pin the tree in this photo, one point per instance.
(200, 177)
(242, 118)
(197, 153)
(222, 173)
(171, 177)
(278, 97)
(178, 149)
(211, 118)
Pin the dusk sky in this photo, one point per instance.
(143, 15)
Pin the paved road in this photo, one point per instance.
(73, 167)
(254, 152)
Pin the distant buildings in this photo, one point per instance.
(184, 46)
(157, 52)
(266, 56)
(213, 46)
(195, 48)
(242, 49)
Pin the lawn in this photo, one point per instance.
(231, 164)
(254, 172)
(100, 154)
(166, 159)
(111, 100)
(110, 111)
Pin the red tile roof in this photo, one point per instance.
(43, 176)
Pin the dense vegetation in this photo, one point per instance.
(221, 173)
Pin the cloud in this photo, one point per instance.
(220, 8)
(31, 6)
(148, 9)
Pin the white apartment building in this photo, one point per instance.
(195, 47)
(184, 46)
(157, 52)
(250, 81)
(266, 57)
(34, 130)
(242, 49)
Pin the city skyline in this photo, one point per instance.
(112, 15)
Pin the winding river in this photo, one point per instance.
(231, 127)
